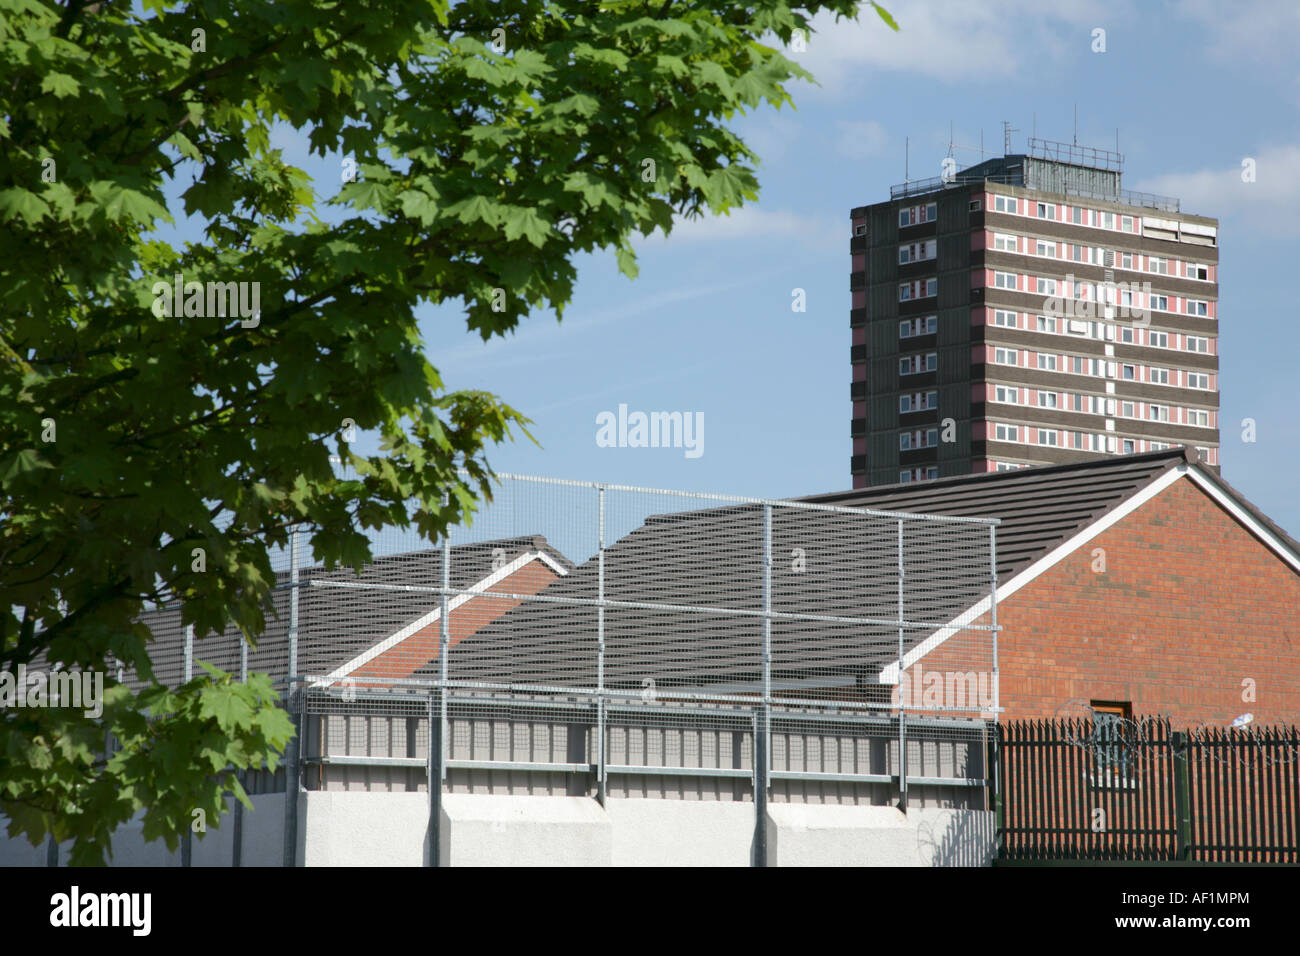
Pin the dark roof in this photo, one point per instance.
(713, 557)
(1039, 508)
(337, 623)
(825, 562)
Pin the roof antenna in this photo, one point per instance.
(907, 159)
(1076, 125)
(1006, 137)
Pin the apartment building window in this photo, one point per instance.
(1047, 436)
(1047, 249)
(1160, 376)
(1159, 340)
(1080, 253)
(910, 328)
(1046, 286)
(1006, 356)
(1197, 271)
(916, 252)
(1046, 399)
(1158, 413)
(1046, 324)
(860, 229)
(1160, 302)
(931, 287)
(914, 364)
(1199, 417)
(918, 214)
(1076, 215)
(904, 291)
(1047, 362)
(1127, 335)
(1006, 204)
(1126, 260)
(1004, 318)
(1004, 280)
(975, 205)
(919, 474)
(1006, 466)
(1126, 223)
(918, 402)
(1107, 220)
(1007, 394)
(1083, 290)
(1006, 432)
(1004, 243)
(1126, 410)
(1198, 380)
(1128, 446)
(1196, 343)
(1198, 307)
(1128, 373)
(1047, 210)
(921, 438)
(1158, 266)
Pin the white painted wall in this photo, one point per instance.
(352, 828)
(490, 830)
(833, 835)
(355, 828)
(681, 832)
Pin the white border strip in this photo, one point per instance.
(889, 675)
(419, 624)
(1252, 524)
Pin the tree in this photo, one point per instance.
(144, 416)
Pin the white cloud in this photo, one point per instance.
(1249, 30)
(754, 222)
(861, 139)
(974, 39)
(1270, 204)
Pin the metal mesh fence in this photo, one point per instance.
(651, 636)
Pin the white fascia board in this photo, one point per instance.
(1230, 505)
(419, 624)
(889, 675)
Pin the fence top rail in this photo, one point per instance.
(746, 500)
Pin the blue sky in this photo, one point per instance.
(707, 327)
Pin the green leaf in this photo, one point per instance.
(22, 203)
(522, 221)
(884, 15)
(60, 84)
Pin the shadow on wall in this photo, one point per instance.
(956, 838)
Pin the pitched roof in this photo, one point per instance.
(338, 622)
(1041, 508)
(840, 565)
(713, 557)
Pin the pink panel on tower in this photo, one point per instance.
(859, 446)
(859, 409)
(859, 298)
(859, 261)
(860, 335)
(860, 372)
(979, 239)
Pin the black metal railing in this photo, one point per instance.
(1113, 789)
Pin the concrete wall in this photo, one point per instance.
(341, 828)
(262, 842)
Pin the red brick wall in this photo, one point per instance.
(1189, 605)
